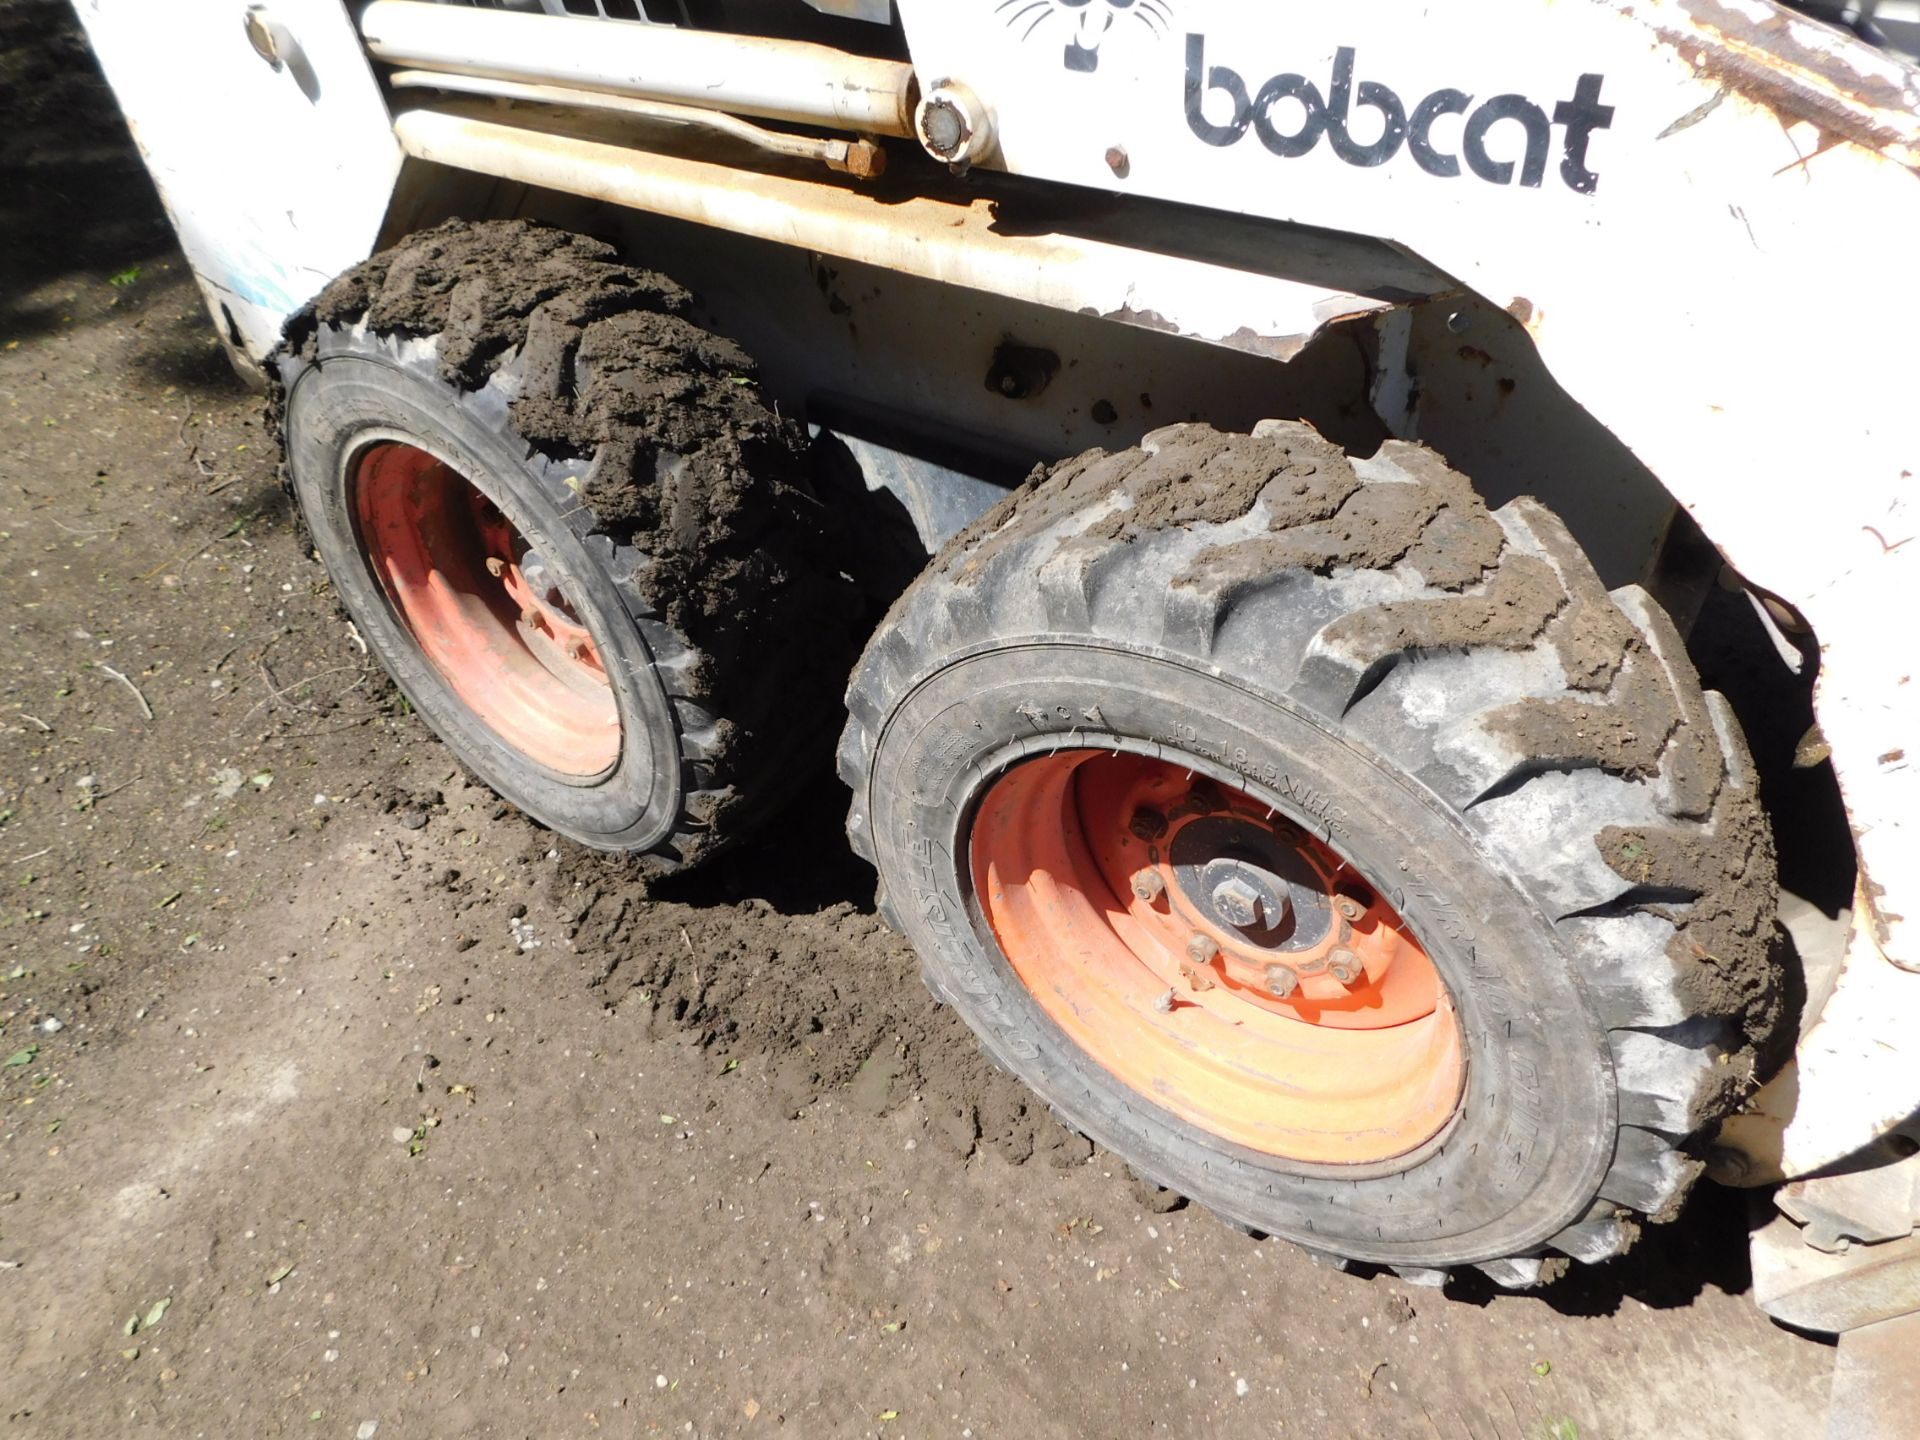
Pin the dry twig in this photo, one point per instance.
(133, 689)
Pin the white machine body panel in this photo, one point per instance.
(276, 178)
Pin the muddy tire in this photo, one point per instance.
(563, 517)
(1500, 773)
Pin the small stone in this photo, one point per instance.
(413, 819)
(368, 1429)
(659, 1382)
(51, 1026)
(401, 1134)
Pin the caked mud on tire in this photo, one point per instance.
(633, 451)
(1522, 762)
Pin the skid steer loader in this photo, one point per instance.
(1397, 708)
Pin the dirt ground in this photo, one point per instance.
(337, 1098)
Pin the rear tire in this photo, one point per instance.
(659, 693)
(1521, 764)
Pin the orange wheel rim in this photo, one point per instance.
(1218, 959)
(482, 606)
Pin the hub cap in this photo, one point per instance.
(484, 609)
(1217, 958)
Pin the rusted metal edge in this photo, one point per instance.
(1802, 70)
(943, 240)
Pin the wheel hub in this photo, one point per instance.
(1246, 902)
(1246, 877)
(1272, 913)
(549, 626)
(1217, 957)
(485, 609)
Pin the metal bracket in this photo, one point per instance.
(1864, 1207)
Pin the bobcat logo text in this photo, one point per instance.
(1291, 115)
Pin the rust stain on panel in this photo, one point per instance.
(1771, 63)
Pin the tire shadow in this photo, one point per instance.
(798, 862)
(1669, 1268)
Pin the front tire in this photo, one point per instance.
(1356, 689)
(564, 519)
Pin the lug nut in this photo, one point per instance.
(1345, 966)
(1281, 982)
(1349, 908)
(1147, 823)
(1149, 885)
(1205, 797)
(1201, 950)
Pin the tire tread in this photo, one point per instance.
(1280, 561)
(516, 320)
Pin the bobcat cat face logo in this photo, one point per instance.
(1089, 22)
